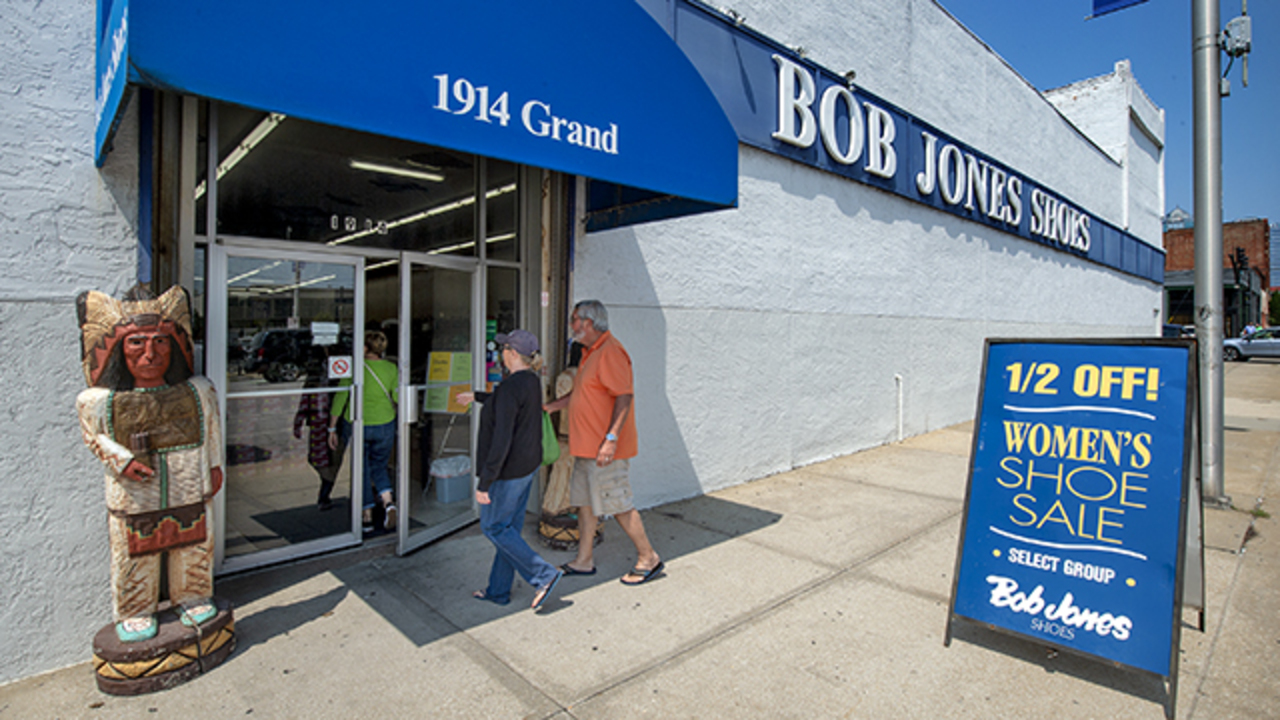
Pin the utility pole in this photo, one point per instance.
(1209, 86)
(1207, 94)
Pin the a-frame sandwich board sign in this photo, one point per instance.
(1075, 512)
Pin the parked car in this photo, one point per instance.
(278, 355)
(1263, 343)
(1173, 330)
(286, 355)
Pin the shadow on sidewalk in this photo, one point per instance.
(427, 595)
(284, 619)
(1130, 682)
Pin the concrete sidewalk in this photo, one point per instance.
(816, 593)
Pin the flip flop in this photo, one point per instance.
(480, 595)
(545, 591)
(568, 569)
(645, 575)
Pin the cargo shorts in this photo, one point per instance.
(607, 490)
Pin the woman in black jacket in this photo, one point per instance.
(510, 455)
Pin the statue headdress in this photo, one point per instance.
(105, 321)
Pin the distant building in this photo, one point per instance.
(1116, 115)
(1246, 278)
(1275, 252)
(1177, 219)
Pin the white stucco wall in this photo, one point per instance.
(66, 227)
(769, 336)
(1114, 112)
(914, 54)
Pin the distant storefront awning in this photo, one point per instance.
(586, 87)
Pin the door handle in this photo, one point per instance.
(409, 395)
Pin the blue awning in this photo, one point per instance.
(586, 87)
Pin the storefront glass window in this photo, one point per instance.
(202, 168)
(288, 179)
(287, 323)
(501, 211)
(199, 305)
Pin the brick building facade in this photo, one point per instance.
(1252, 235)
(1245, 297)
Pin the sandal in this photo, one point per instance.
(480, 595)
(644, 575)
(545, 590)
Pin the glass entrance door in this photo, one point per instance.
(437, 338)
(287, 324)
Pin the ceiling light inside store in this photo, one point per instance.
(382, 264)
(471, 244)
(273, 291)
(397, 171)
(253, 272)
(246, 146)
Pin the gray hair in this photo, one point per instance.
(594, 311)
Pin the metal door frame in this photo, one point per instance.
(408, 397)
(216, 367)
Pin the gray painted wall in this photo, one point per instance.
(66, 227)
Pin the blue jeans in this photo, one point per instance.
(378, 443)
(501, 521)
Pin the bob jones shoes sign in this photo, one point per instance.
(867, 140)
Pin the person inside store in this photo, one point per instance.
(602, 440)
(381, 395)
(313, 414)
(509, 456)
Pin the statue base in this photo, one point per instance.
(176, 654)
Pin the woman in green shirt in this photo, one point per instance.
(381, 394)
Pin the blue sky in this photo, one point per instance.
(1051, 45)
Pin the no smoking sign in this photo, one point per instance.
(339, 367)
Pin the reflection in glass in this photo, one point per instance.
(199, 305)
(274, 479)
(441, 366)
(285, 320)
(283, 315)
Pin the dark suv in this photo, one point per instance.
(279, 355)
(285, 355)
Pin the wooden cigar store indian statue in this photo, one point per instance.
(155, 428)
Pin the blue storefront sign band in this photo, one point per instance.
(1074, 512)
(788, 105)
(584, 87)
(110, 76)
(634, 110)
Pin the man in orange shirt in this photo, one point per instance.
(602, 439)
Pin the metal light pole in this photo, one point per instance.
(1207, 93)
